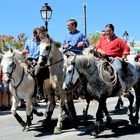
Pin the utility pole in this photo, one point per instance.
(85, 26)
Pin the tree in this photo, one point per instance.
(94, 38)
(7, 42)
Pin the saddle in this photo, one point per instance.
(126, 70)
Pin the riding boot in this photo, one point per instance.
(40, 94)
(39, 83)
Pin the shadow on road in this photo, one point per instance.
(118, 127)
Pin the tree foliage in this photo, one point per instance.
(11, 42)
(94, 38)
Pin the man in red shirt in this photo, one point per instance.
(112, 46)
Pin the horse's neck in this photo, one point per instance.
(17, 73)
(56, 57)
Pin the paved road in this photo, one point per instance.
(11, 130)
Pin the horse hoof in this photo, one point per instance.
(24, 128)
(57, 130)
(27, 128)
(94, 135)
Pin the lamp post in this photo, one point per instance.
(46, 14)
(85, 23)
(125, 36)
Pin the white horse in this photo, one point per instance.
(100, 87)
(21, 84)
(51, 56)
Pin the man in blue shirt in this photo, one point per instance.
(32, 48)
(75, 41)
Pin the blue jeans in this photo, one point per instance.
(118, 67)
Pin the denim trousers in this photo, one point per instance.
(118, 68)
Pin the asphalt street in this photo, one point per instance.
(120, 128)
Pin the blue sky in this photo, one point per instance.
(17, 16)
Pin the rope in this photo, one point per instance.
(107, 73)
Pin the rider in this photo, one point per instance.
(32, 48)
(112, 46)
(75, 41)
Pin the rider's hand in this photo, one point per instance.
(24, 52)
(103, 53)
(66, 46)
(81, 44)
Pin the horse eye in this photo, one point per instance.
(11, 64)
(69, 71)
(47, 48)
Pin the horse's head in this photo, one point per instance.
(45, 51)
(8, 66)
(71, 74)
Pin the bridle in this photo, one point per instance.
(83, 79)
(45, 57)
(10, 76)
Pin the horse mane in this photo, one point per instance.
(85, 60)
(49, 41)
(16, 55)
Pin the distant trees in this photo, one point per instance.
(10, 41)
(94, 38)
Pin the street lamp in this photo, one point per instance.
(85, 23)
(125, 36)
(46, 14)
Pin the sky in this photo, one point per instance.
(18, 16)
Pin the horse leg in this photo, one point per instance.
(29, 109)
(136, 118)
(15, 104)
(119, 103)
(108, 117)
(50, 108)
(137, 104)
(130, 107)
(85, 110)
(58, 127)
(71, 109)
(99, 127)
